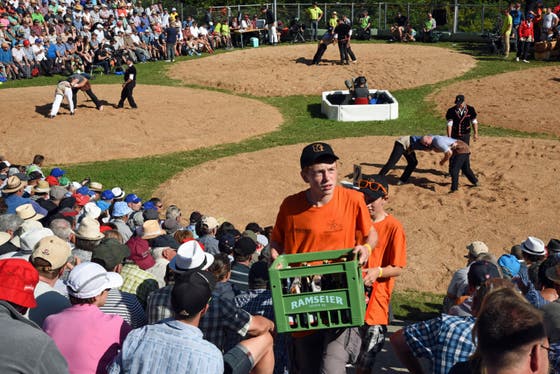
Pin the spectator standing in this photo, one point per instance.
(386, 262)
(171, 34)
(271, 25)
(128, 85)
(315, 14)
(301, 226)
(507, 27)
(461, 120)
(526, 36)
(429, 27)
(517, 17)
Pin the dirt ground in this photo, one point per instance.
(518, 184)
(518, 176)
(503, 100)
(286, 70)
(168, 120)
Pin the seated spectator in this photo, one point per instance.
(50, 258)
(534, 253)
(190, 256)
(458, 286)
(110, 254)
(511, 337)
(88, 285)
(29, 349)
(206, 230)
(88, 236)
(9, 225)
(243, 251)
(175, 345)
(156, 236)
(136, 280)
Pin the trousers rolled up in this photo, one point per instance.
(58, 100)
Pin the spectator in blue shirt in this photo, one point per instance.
(7, 61)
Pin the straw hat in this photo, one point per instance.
(152, 229)
(42, 187)
(96, 186)
(27, 213)
(89, 229)
(14, 184)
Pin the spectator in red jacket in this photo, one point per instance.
(526, 37)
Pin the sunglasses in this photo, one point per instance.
(372, 186)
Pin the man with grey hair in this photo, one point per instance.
(63, 229)
(9, 224)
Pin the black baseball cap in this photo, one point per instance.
(373, 187)
(245, 246)
(459, 99)
(481, 271)
(192, 292)
(316, 153)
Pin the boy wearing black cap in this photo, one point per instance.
(323, 217)
(385, 264)
(460, 119)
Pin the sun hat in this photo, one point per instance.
(14, 184)
(140, 252)
(54, 250)
(89, 279)
(42, 187)
(27, 212)
(475, 249)
(118, 192)
(262, 240)
(190, 256)
(121, 209)
(192, 292)
(29, 240)
(314, 152)
(18, 279)
(152, 229)
(533, 246)
(28, 226)
(89, 229)
(92, 210)
(96, 186)
(111, 252)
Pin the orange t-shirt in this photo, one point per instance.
(390, 250)
(301, 227)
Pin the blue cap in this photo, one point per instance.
(132, 198)
(509, 264)
(103, 205)
(107, 195)
(149, 205)
(57, 172)
(84, 191)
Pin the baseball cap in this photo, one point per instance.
(210, 222)
(89, 279)
(459, 99)
(54, 250)
(111, 252)
(476, 248)
(510, 265)
(258, 275)
(30, 238)
(190, 256)
(192, 292)
(195, 217)
(132, 198)
(57, 172)
(373, 187)
(226, 243)
(481, 271)
(107, 195)
(140, 252)
(18, 279)
(315, 153)
(245, 246)
(250, 234)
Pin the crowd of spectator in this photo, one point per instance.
(103, 264)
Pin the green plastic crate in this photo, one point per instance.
(339, 303)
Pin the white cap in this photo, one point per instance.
(89, 279)
(31, 238)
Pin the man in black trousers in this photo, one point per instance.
(129, 84)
